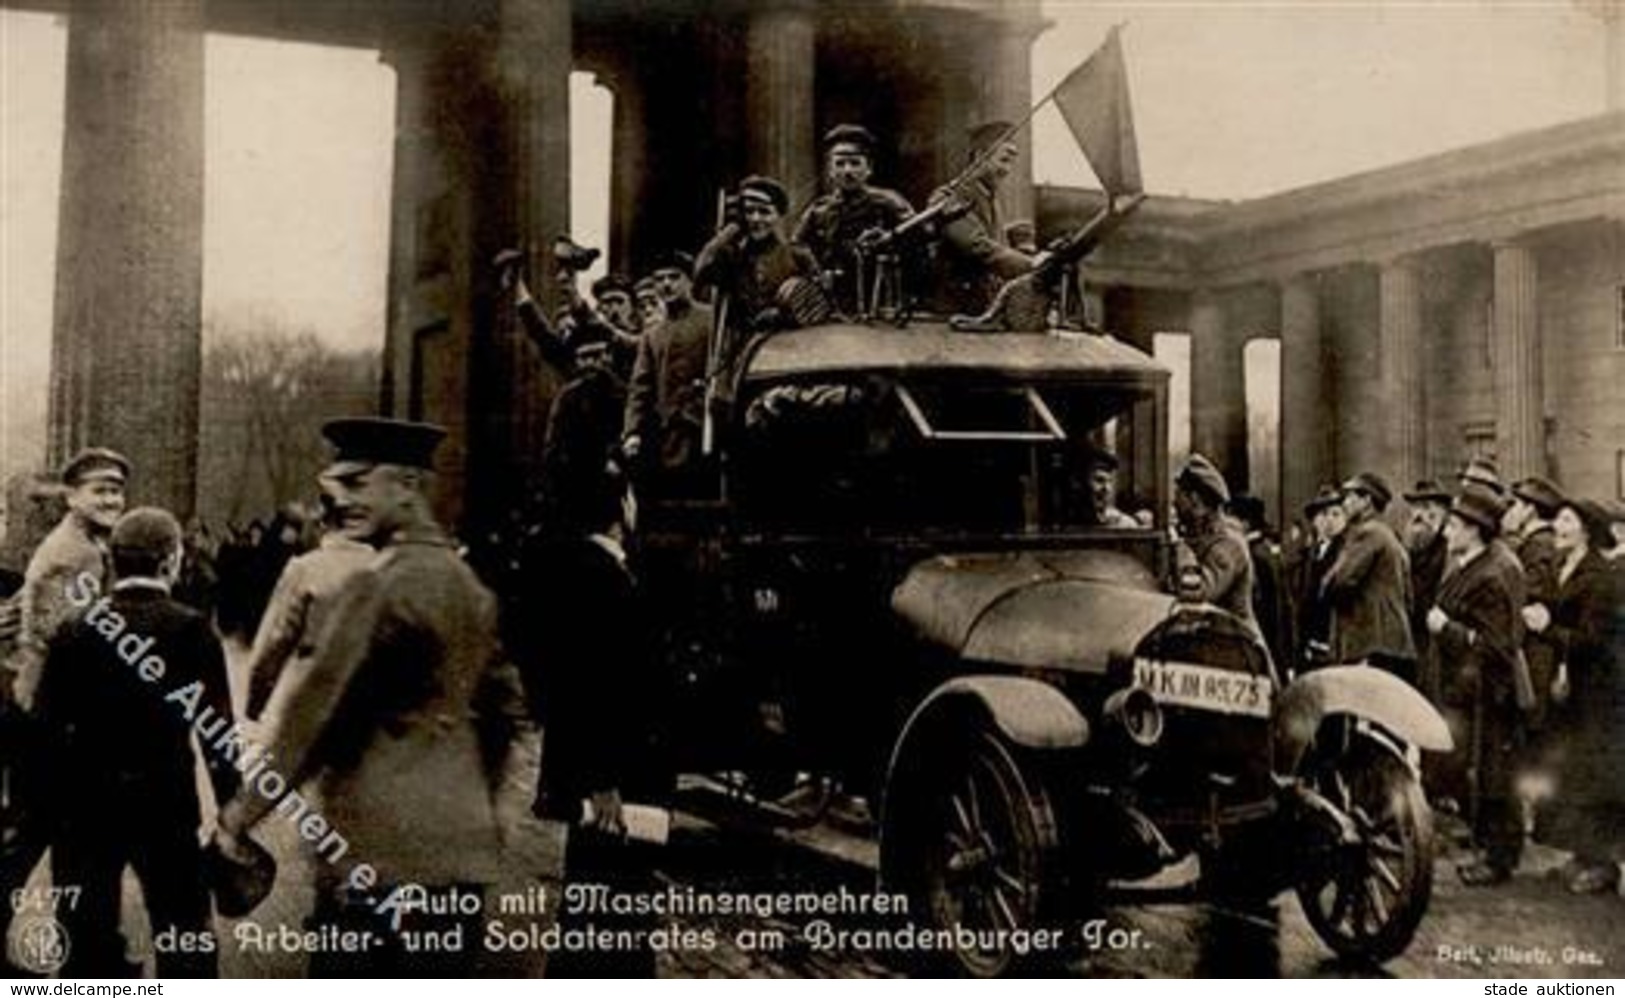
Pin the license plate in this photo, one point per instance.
(1203, 687)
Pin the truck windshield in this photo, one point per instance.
(927, 456)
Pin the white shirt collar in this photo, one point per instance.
(141, 582)
(610, 545)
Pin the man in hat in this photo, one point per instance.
(1368, 587)
(1482, 471)
(1476, 635)
(835, 226)
(1312, 614)
(651, 307)
(748, 262)
(403, 718)
(1102, 467)
(1428, 550)
(665, 398)
(1214, 566)
(1527, 530)
(124, 685)
(75, 548)
(977, 261)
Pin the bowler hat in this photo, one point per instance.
(239, 884)
(1101, 459)
(1429, 490)
(1480, 505)
(363, 441)
(1325, 498)
(1484, 471)
(1540, 493)
(1371, 484)
(757, 187)
(1249, 510)
(95, 462)
(852, 135)
(1200, 474)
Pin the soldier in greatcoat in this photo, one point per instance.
(1214, 566)
(402, 722)
(1368, 586)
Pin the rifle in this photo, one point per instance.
(1023, 303)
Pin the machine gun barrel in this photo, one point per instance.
(1067, 251)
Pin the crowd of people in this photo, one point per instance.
(1501, 603)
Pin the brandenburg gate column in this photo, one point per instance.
(126, 348)
(780, 55)
(1519, 389)
(1218, 389)
(1306, 440)
(1399, 304)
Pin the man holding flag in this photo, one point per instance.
(1093, 100)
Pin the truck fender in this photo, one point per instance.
(1358, 691)
(1030, 713)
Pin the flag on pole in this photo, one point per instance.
(1094, 101)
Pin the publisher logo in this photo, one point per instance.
(39, 944)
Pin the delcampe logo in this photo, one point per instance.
(39, 944)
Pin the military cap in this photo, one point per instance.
(1371, 484)
(1480, 505)
(95, 462)
(1484, 471)
(673, 260)
(850, 135)
(644, 284)
(1429, 490)
(611, 284)
(363, 441)
(987, 134)
(1101, 459)
(757, 187)
(1540, 493)
(1325, 498)
(1200, 474)
(146, 530)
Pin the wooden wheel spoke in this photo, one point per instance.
(1377, 905)
(1380, 867)
(1009, 881)
(1004, 915)
(963, 816)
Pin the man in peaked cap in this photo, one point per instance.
(1214, 566)
(662, 427)
(1368, 587)
(748, 261)
(1476, 633)
(836, 224)
(401, 717)
(75, 548)
(977, 259)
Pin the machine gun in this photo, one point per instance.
(1023, 304)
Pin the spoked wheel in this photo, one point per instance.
(1366, 894)
(968, 844)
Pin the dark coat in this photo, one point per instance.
(1312, 615)
(1585, 628)
(1368, 590)
(583, 433)
(1269, 597)
(119, 737)
(585, 653)
(1427, 571)
(1476, 650)
(1536, 553)
(749, 275)
(665, 400)
(831, 226)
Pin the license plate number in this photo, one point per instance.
(1183, 684)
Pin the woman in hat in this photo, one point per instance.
(1582, 622)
